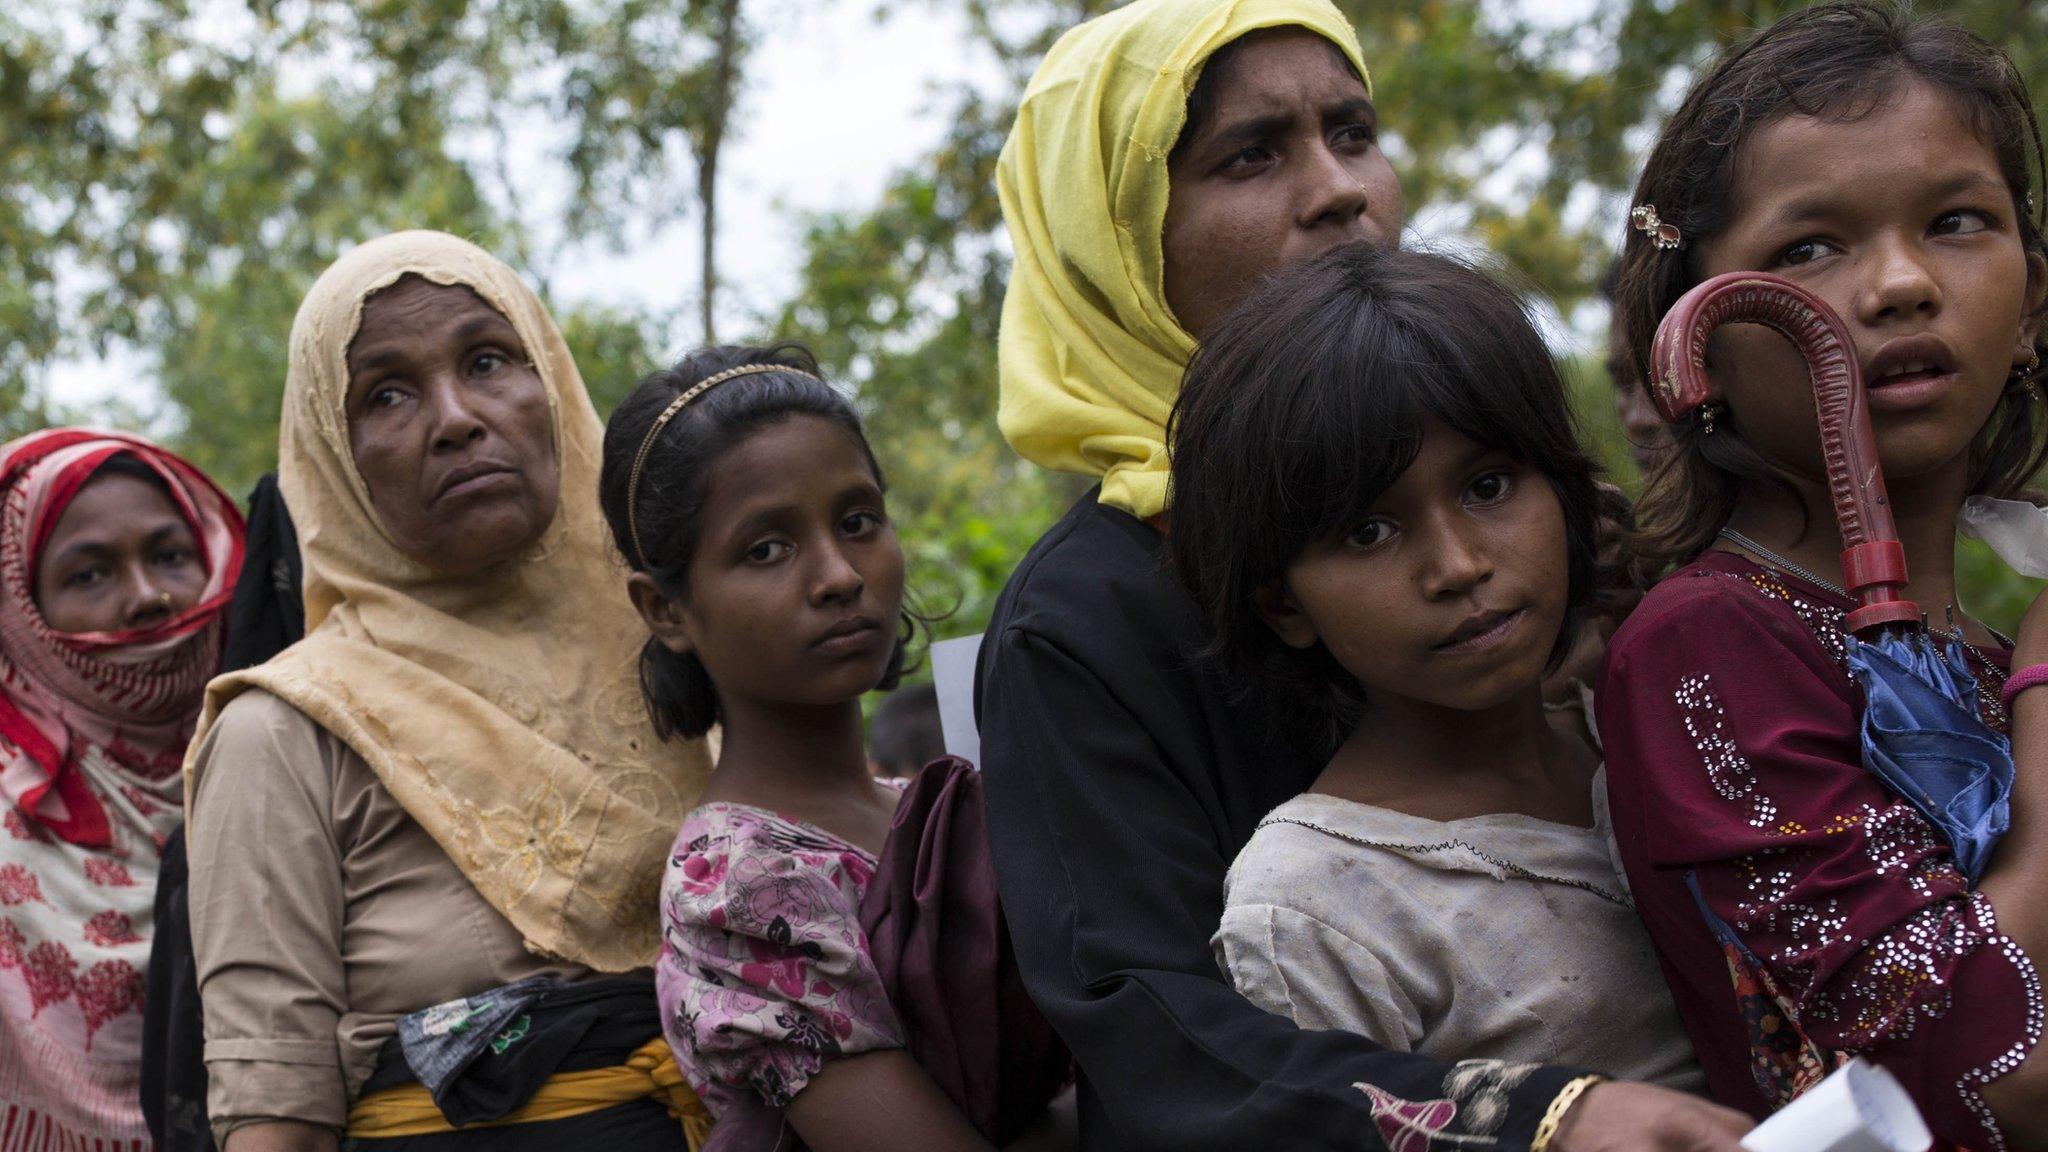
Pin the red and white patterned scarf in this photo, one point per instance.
(93, 728)
(133, 694)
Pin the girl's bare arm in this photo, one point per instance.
(281, 1136)
(878, 1102)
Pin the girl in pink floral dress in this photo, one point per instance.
(833, 968)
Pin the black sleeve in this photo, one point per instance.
(1112, 878)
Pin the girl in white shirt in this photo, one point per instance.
(1379, 502)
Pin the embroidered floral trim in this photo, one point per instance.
(1481, 1088)
(1415, 1125)
(1474, 1106)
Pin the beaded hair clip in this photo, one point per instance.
(1665, 237)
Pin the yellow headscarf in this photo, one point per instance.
(502, 710)
(1091, 356)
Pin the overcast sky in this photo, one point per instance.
(834, 102)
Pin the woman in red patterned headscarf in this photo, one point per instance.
(116, 561)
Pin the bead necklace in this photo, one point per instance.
(1777, 561)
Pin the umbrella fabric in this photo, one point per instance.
(1923, 737)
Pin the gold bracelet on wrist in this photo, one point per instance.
(1553, 1116)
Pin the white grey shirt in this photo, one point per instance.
(1498, 937)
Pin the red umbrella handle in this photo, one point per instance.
(1873, 560)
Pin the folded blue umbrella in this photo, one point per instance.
(1923, 737)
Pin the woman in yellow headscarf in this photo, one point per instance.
(423, 836)
(1167, 157)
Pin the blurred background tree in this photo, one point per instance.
(174, 173)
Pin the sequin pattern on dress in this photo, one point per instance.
(1837, 908)
(1731, 773)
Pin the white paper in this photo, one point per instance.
(1860, 1108)
(953, 677)
(2015, 529)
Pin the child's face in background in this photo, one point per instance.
(1902, 222)
(796, 587)
(1451, 591)
(1648, 439)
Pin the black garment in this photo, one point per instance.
(268, 612)
(567, 1028)
(173, 1068)
(266, 616)
(1121, 783)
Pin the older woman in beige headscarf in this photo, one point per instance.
(423, 835)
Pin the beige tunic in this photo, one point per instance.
(1500, 937)
(321, 913)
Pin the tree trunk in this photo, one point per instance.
(726, 65)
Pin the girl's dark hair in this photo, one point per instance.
(1843, 61)
(674, 484)
(1307, 402)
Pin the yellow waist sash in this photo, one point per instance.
(650, 1073)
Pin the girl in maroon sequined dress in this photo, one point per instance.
(1803, 912)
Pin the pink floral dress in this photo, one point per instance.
(765, 972)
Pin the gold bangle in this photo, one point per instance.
(1553, 1116)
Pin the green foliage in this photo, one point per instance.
(174, 175)
(904, 302)
(901, 298)
(1989, 590)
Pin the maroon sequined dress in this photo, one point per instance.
(1802, 912)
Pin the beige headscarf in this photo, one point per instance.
(502, 710)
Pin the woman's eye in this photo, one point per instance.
(1959, 223)
(767, 552)
(382, 397)
(1370, 533)
(1357, 134)
(1492, 487)
(84, 577)
(860, 523)
(1804, 252)
(1251, 156)
(486, 363)
(175, 556)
